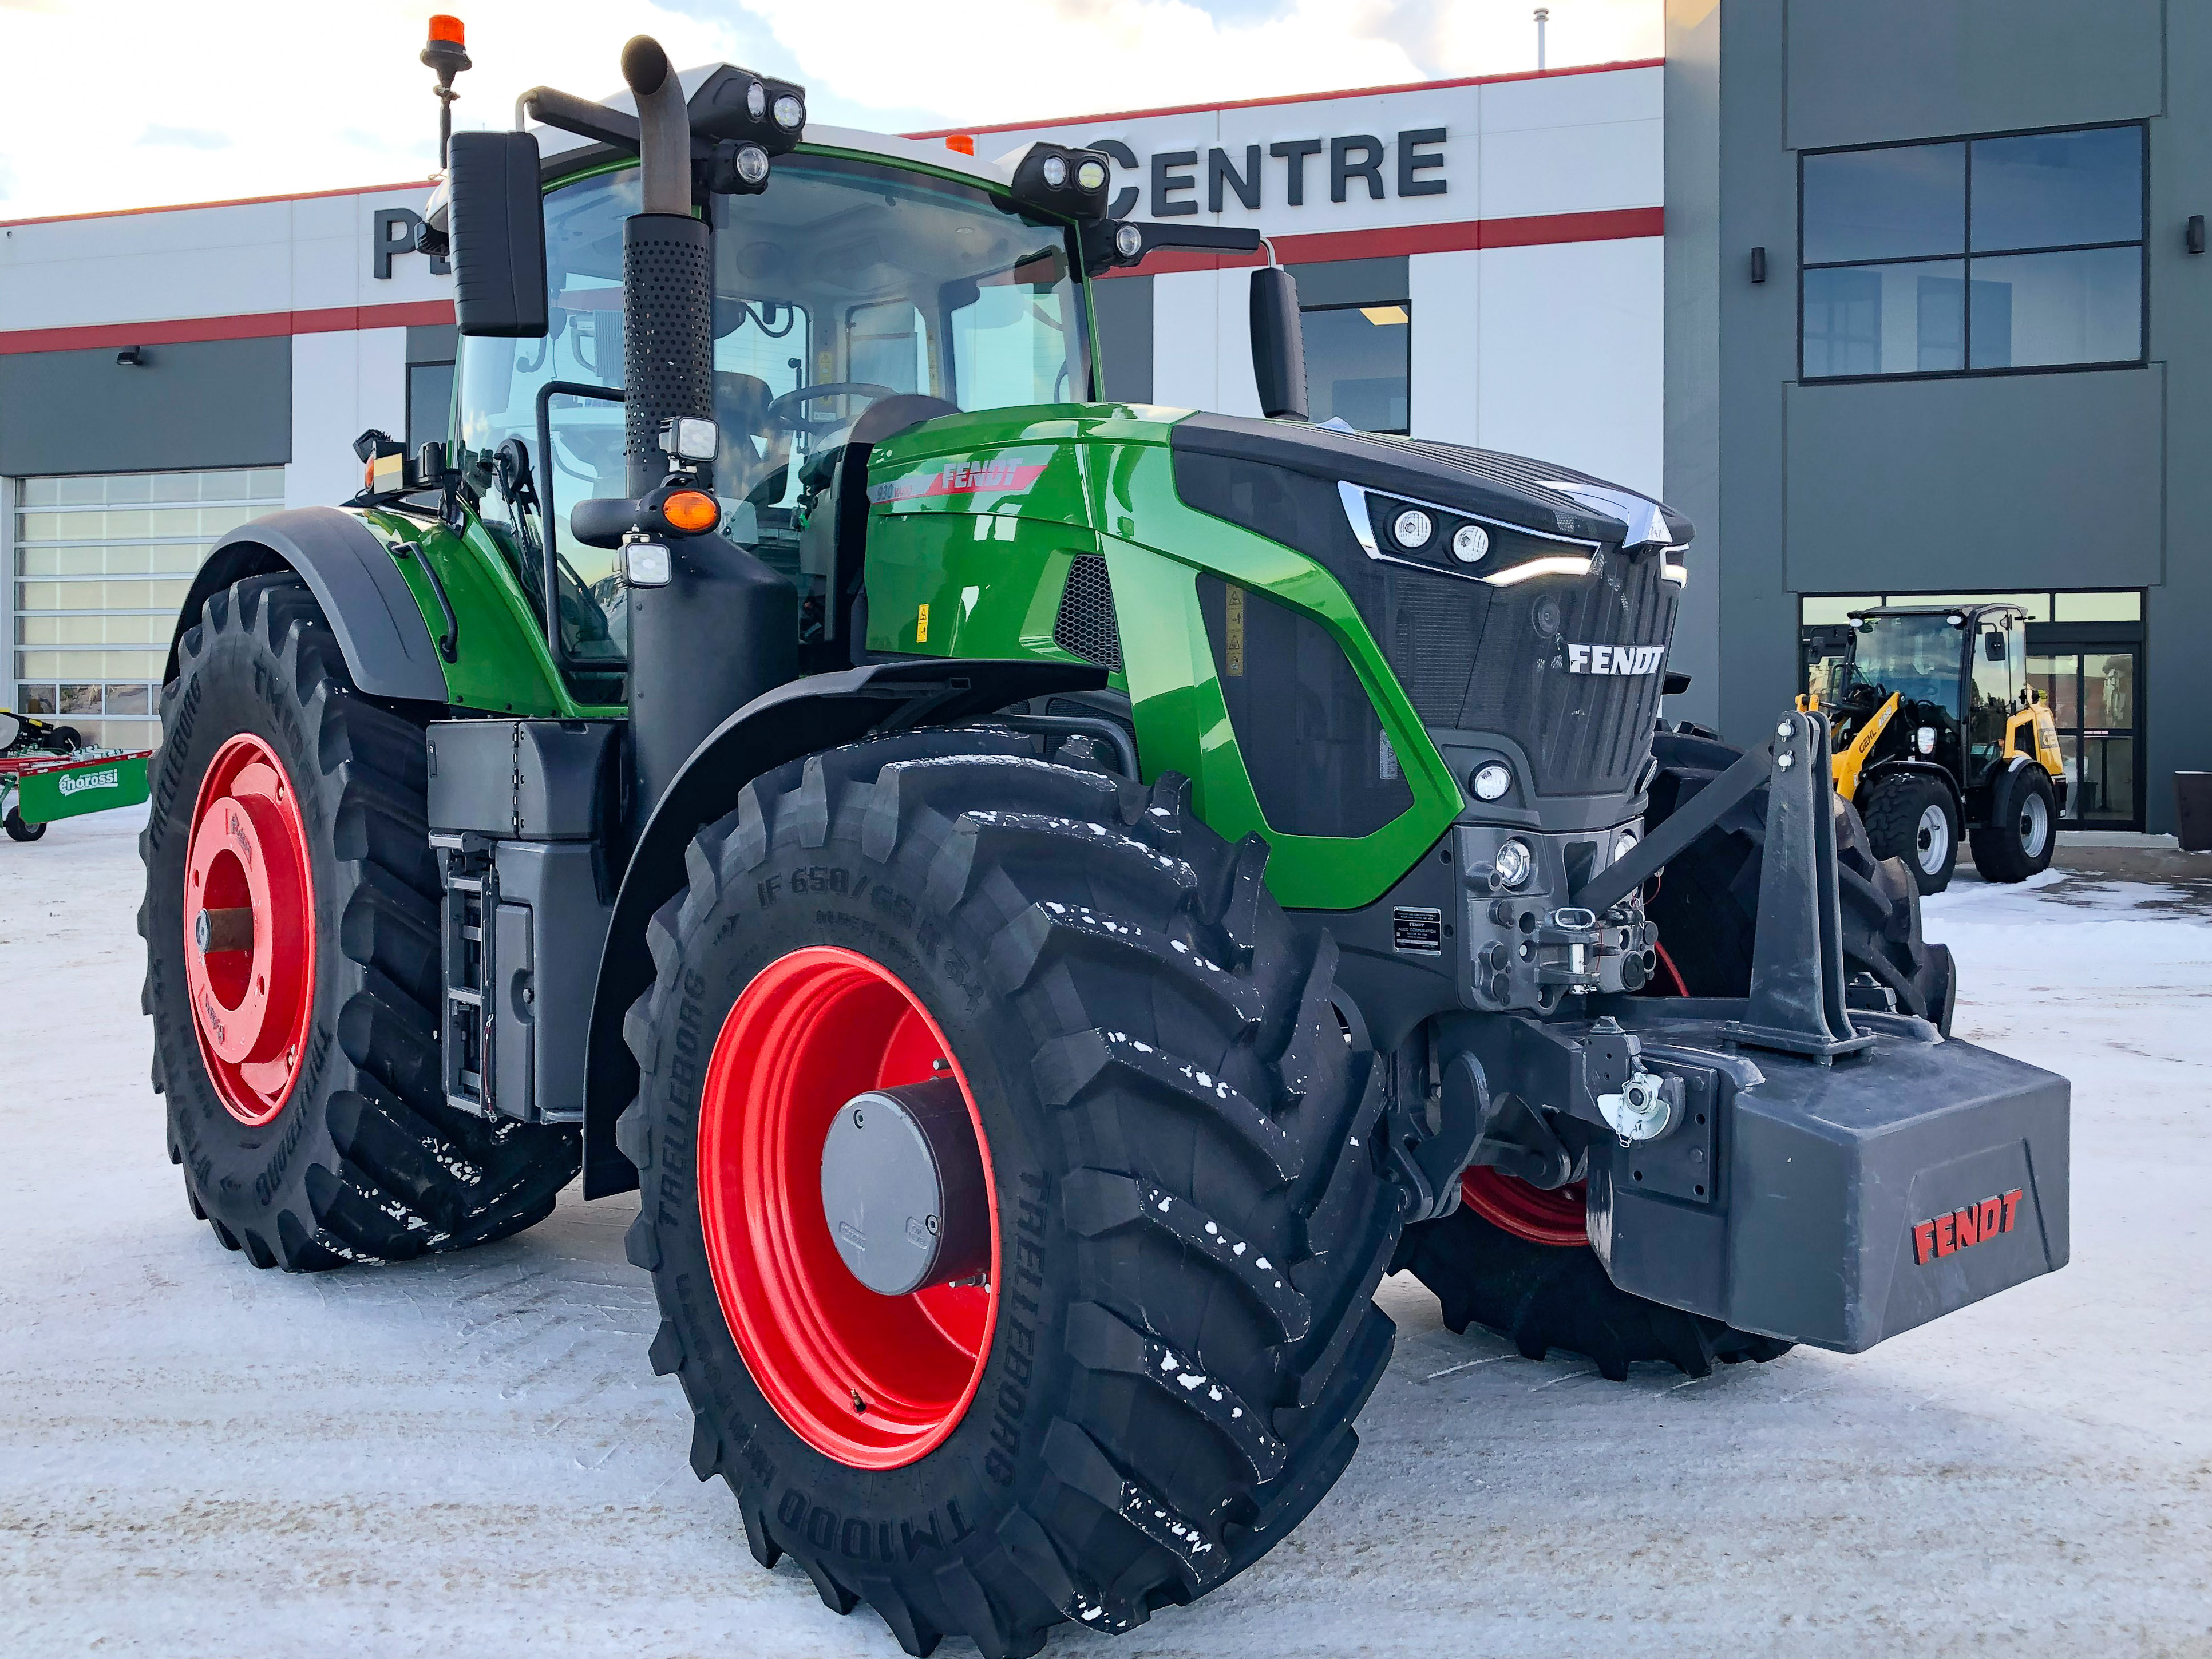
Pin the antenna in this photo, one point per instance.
(448, 53)
(1543, 16)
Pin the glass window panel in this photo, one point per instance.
(1359, 366)
(40, 492)
(125, 487)
(80, 699)
(2108, 691)
(1827, 608)
(2058, 678)
(1878, 319)
(79, 492)
(44, 526)
(429, 403)
(266, 484)
(2052, 188)
(2032, 309)
(2100, 607)
(35, 699)
(1885, 203)
(2106, 778)
(136, 698)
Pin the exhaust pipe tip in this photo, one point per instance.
(644, 65)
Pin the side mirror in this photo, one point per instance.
(1993, 646)
(1279, 344)
(497, 224)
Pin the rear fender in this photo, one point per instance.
(819, 712)
(355, 579)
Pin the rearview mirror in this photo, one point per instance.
(497, 224)
(1993, 645)
(1279, 344)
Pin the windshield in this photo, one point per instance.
(844, 281)
(1916, 657)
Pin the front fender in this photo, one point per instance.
(351, 572)
(819, 712)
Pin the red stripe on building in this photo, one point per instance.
(1533, 230)
(258, 325)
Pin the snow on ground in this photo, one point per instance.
(470, 1455)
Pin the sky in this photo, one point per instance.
(174, 101)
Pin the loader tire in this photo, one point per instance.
(306, 1099)
(1912, 818)
(1707, 903)
(1155, 1378)
(2022, 832)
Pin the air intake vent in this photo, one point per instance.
(1086, 624)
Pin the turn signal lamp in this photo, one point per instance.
(448, 29)
(693, 512)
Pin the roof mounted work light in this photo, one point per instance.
(1068, 183)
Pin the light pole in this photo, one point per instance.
(1543, 16)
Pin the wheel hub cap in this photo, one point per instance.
(903, 1188)
(1935, 838)
(249, 920)
(872, 1376)
(1542, 1217)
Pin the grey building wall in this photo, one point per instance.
(208, 404)
(1123, 310)
(2075, 479)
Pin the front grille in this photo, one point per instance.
(1085, 626)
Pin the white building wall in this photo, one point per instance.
(342, 384)
(1445, 292)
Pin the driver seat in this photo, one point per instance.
(834, 545)
(751, 449)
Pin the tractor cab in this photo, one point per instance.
(1933, 721)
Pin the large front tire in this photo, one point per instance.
(302, 1070)
(2022, 832)
(1157, 1378)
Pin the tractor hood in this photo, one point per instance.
(1536, 496)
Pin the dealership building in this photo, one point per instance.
(1887, 311)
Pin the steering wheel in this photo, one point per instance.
(783, 412)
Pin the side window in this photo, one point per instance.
(1973, 256)
(1996, 651)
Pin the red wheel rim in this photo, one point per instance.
(1526, 1212)
(875, 1381)
(250, 930)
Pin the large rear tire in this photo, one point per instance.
(300, 1063)
(1155, 1378)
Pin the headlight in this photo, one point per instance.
(1091, 175)
(1055, 171)
(756, 100)
(1412, 527)
(1490, 781)
(1127, 241)
(751, 163)
(1469, 543)
(1515, 862)
(790, 113)
(1924, 739)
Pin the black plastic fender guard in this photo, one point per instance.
(354, 577)
(819, 712)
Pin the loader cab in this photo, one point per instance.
(1959, 672)
(850, 281)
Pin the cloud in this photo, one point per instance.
(335, 96)
(185, 137)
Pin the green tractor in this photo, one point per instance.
(1047, 900)
(1937, 730)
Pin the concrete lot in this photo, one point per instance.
(470, 1455)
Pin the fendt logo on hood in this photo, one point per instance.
(1615, 659)
(1977, 1224)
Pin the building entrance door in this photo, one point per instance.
(2093, 690)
